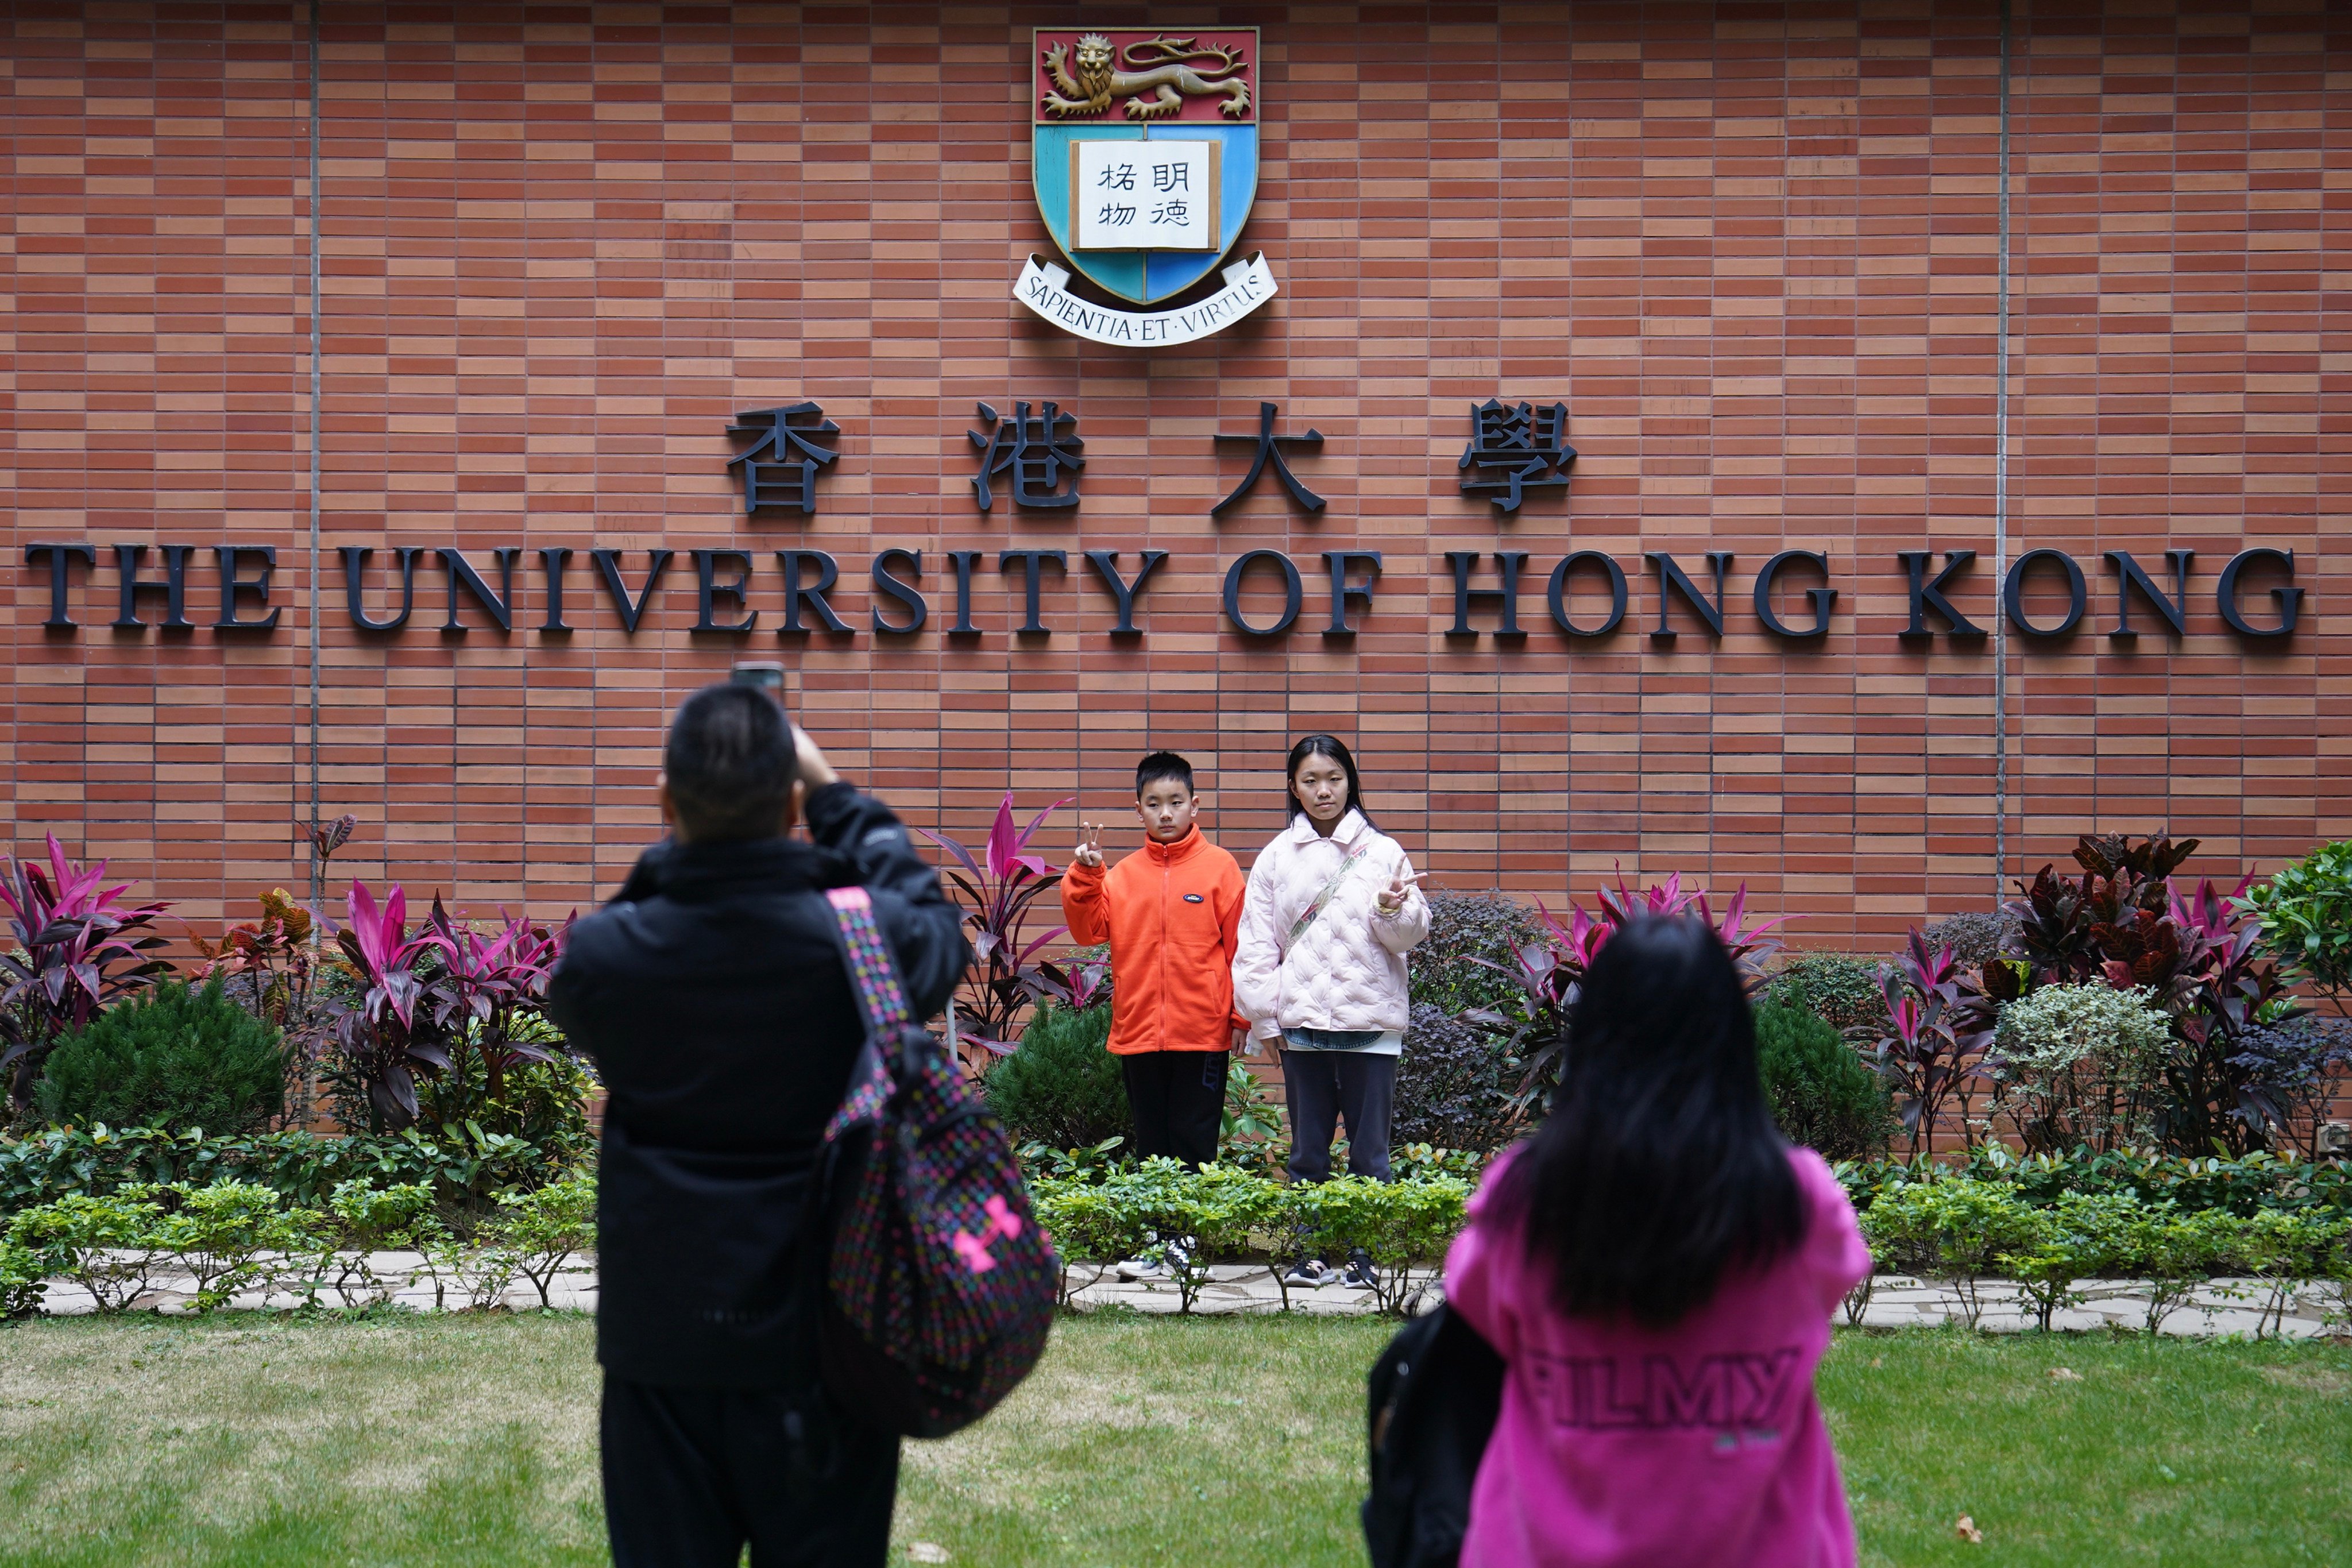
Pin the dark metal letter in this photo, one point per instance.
(1556, 596)
(1926, 595)
(462, 575)
(2290, 598)
(2012, 594)
(1106, 565)
(232, 556)
(60, 566)
(2129, 575)
(555, 559)
(1507, 597)
(1674, 580)
(1034, 560)
(1822, 597)
(709, 590)
(1291, 592)
(608, 566)
(355, 559)
(828, 573)
(962, 560)
(902, 589)
(1343, 592)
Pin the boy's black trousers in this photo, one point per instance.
(692, 1474)
(1178, 1101)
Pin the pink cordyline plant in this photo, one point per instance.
(1550, 971)
(390, 1035)
(1940, 1027)
(490, 986)
(999, 889)
(82, 946)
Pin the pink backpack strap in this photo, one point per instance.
(871, 969)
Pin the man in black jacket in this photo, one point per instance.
(712, 994)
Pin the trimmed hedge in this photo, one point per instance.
(1823, 1094)
(179, 1056)
(230, 1238)
(1062, 1087)
(301, 1168)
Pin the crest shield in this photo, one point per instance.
(1143, 152)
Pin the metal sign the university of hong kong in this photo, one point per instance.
(1144, 156)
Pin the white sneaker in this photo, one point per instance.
(1308, 1273)
(1136, 1268)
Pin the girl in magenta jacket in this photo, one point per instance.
(1657, 1269)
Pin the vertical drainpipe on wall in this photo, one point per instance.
(317, 863)
(2000, 499)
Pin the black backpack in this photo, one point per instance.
(1435, 1392)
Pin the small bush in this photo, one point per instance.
(1977, 937)
(1464, 927)
(1454, 1085)
(177, 1058)
(1842, 991)
(545, 1228)
(1062, 1087)
(1821, 1093)
(21, 1281)
(2075, 1065)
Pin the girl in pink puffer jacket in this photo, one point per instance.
(1320, 969)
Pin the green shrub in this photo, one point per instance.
(1061, 1087)
(2306, 915)
(1454, 1085)
(105, 1245)
(547, 1227)
(1396, 1224)
(1822, 1094)
(21, 1280)
(1840, 990)
(2076, 1065)
(1464, 929)
(545, 1104)
(1976, 937)
(464, 1173)
(176, 1057)
(222, 1236)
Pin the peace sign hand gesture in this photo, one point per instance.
(1392, 898)
(1089, 853)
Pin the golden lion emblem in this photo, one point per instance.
(1162, 67)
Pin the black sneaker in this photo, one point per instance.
(1310, 1273)
(1359, 1274)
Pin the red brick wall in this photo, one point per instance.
(1755, 255)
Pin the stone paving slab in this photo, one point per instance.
(2218, 1308)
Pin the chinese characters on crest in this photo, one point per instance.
(1144, 196)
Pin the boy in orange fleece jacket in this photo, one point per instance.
(1172, 915)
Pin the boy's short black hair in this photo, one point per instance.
(729, 764)
(1163, 765)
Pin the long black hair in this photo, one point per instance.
(1659, 1166)
(1322, 746)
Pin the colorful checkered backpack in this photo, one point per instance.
(940, 1286)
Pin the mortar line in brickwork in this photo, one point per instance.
(2001, 488)
(318, 865)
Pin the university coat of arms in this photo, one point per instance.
(1144, 157)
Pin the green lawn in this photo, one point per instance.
(469, 1440)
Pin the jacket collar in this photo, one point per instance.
(695, 872)
(1351, 827)
(1175, 854)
